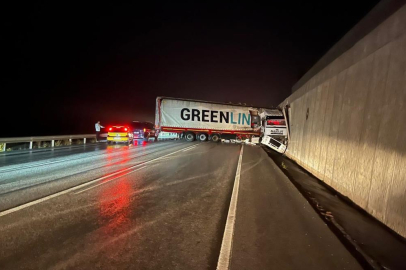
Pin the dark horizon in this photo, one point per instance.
(69, 66)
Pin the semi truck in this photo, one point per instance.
(206, 120)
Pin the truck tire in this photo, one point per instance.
(190, 136)
(215, 138)
(202, 137)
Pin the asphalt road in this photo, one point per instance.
(157, 205)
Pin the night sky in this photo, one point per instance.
(69, 65)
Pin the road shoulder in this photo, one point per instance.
(276, 227)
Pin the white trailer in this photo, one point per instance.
(203, 120)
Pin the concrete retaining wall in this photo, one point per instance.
(354, 137)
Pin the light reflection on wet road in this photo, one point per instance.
(156, 206)
(115, 212)
(137, 220)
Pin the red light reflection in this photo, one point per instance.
(117, 155)
(142, 143)
(115, 198)
(114, 212)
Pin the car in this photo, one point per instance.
(119, 134)
(144, 130)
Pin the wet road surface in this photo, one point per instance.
(276, 228)
(157, 206)
(367, 238)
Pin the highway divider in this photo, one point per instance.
(20, 143)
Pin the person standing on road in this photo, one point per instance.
(98, 126)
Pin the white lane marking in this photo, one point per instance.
(15, 209)
(227, 243)
(109, 180)
(15, 167)
(189, 148)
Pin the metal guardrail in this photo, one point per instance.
(52, 139)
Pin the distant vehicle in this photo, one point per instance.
(144, 130)
(204, 120)
(119, 134)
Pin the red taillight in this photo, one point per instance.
(125, 129)
(145, 129)
(110, 129)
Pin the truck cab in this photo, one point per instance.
(274, 130)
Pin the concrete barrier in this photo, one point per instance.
(348, 123)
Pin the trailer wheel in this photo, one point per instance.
(215, 137)
(190, 136)
(202, 137)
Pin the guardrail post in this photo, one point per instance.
(31, 142)
(84, 140)
(52, 143)
(4, 147)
